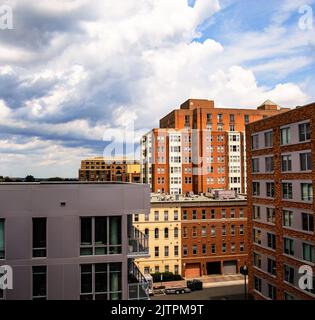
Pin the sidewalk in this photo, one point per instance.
(208, 281)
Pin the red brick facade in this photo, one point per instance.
(288, 177)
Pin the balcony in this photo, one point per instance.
(138, 287)
(138, 244)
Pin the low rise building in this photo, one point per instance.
(195, 235)
(71, 241)
(117, 170)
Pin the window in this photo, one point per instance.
(166, 233)
(213, 231)
(307, 222)
(268, 139)
(232, 230)
(308, 252)
(220, 118)
(256, 188)
(246, 118)
(185, 251)
(287, 190)
(156, 216)
(146, 270)
(165, 215)
(2, 246)
(288, 274)
(255, 141)
(288, 246)
(187, 120)
(146, 232)
(257, 260)
(257, 284)
(156, 233)
(305, 161)
(212, 214)
(287, 218)
(232, 213)
(203, 215)
(102, 281)
(176, 269)
(223, 247)
(185, 233)
(304, 132)
(288, 296)
(157, 269)
(272, 269)
(100, 235)
(271, 215)
(223, 230)
(156, 251)
(271, 241)
(270, 189)
(194, 232)
(175, 251)
(269, 165)
(223, 213)
(175, 232)
(136, 217)
(286, 163)
(241, 229)
(306, 192)
(147, 217)
(194, 214)
(257, 236)
(232, 118)
(204, 248)
(175, 215)
(39, 275)
(167, 268)
(272, 292)
(185, 215)
(195, 250)
(166, 251)
(255, 165)
(242, 247)
(39, 237)
(204, 231)
(241, 213)
(286, 135)
(213, 248)
(233, 247)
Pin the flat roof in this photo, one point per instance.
(69, 182)
(159, 198)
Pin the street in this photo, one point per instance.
(234, 292)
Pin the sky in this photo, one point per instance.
(76, 75)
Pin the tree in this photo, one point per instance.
(29, 178)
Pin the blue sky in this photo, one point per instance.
(75, 75)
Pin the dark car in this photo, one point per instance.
(194, 285)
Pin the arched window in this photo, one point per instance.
(146, 232)
(156, 233)
(176, 233)
(166, 233)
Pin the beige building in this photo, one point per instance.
(162, 225)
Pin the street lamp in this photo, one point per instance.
(244, 272)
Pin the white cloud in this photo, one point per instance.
(115, 62)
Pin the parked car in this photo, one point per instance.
(177, 290)
(194, 285)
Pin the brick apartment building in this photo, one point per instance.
(195, 235)
(280, 164)
(199, 148)
(117, 170)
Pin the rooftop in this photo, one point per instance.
(160, 198)
(68, 182)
